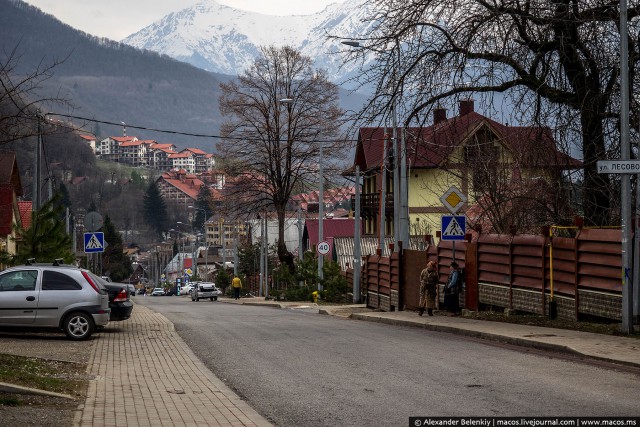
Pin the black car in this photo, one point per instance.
(119, 302)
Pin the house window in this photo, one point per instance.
(482, 160)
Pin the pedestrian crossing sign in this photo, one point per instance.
(93, 242)
(453, 227)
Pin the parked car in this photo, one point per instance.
(157, 292)
(172, 291)
(141, 291)
(119, 301)
(186, 289)
(205, 290)
(54, 296)
(130, 287)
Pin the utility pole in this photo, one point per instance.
(320, 220)
(625, 180)
(357, 253)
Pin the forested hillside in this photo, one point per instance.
(110, 81)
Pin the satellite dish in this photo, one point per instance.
(93, 221)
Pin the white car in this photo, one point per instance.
(157, 292)
(186, 289)
(205, 290)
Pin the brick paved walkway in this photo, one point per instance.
(137, 381)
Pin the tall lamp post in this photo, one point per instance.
(288, 102)
(400, 184)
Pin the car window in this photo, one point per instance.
(56, 281)
(23, 280)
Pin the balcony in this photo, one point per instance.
(370, 204)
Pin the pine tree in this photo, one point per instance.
(46, 239)
(155, 209)
(203, 208)
(114, 262)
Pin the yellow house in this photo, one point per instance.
(510, 175)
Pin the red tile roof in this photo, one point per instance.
(334, 227)
(9, 174)
(123, 138)
(25, 209)
(194, 150)
(6, 209)
(429, 147)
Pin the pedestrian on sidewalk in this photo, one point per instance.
(236, 283)
(452, 290)
(428, 288)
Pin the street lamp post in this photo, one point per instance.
(288, 102)
(400, 184)
(357, 253)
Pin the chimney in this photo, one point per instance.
(466, 106)
(439, 115)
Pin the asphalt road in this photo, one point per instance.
(297, 367)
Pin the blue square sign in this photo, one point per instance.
(93, 242)
(453, 227)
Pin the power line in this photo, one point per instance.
(173, 132)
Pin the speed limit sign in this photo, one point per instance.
(323, 248)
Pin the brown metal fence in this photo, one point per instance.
(581, 272)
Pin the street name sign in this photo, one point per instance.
(94, 242)
(453, 227)
(618, 166)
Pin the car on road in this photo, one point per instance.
(54, 296)
(186, 289)
(119, 301)
(157, 292)
(205, 290)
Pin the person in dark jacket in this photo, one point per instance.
(452, 289)
(428, 288)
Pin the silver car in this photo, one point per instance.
(53, 295)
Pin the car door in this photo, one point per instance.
(58, 292)
(19, 296)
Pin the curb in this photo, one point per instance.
(17, 389)
(475, 334)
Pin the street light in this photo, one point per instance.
(400, 184)
(288, 102)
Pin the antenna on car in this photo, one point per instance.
(58, 261)
(30, 261)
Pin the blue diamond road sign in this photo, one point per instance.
(93, 242)
(453, 227)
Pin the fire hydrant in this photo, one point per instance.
(314, 294)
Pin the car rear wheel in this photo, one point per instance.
(215, 298)
(78, 326)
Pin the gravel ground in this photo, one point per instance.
(35, 410)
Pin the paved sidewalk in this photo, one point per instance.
(138, 383)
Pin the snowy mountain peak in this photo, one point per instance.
(226, 40)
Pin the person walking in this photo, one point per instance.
(452, 290)
(237, 285)
(428, 288)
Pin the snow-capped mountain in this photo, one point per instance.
(225, 40)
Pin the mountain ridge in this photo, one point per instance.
(222, 39)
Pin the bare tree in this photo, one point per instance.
(278, 113)
(19, 98)
(554, 62)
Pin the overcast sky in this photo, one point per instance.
(116, 19)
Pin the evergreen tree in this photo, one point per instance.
(203, 208)
(92, 207)
(114, 262)
(46, 239)
(155, 209)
